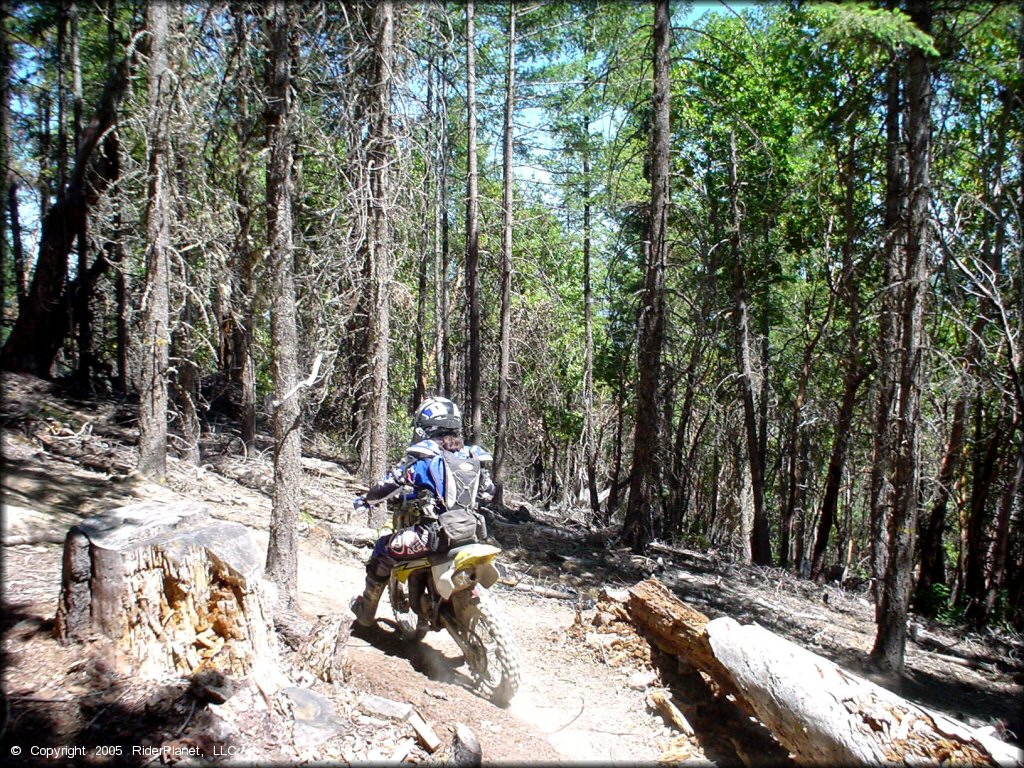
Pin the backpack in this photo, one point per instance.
(458, 521)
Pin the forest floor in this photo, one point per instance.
(583, 698)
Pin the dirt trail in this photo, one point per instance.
(568, 708)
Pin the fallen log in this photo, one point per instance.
(840, 719)
(819, 712)
(46, 537)
(675, 628)
(557, 594)
(90, 453)
(174, 591)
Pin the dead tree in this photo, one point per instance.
(282, 551)
(156, 297)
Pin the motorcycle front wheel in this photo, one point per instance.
(489, 647)
(409, 626)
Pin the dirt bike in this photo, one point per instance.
(448, 590)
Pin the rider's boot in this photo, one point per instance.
(364, 606)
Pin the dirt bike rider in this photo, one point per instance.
(427, 466)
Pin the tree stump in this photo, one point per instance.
(325, 652)
(176, 592)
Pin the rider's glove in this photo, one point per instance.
(359, 504)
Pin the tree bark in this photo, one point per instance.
(760, 546)
(505, 331)
(428, 254)
(998, 574)
(890, 642)
(636, 527)
(794, 512)
(894, 226)
(591, 447)
(282, 550)
(82, 295)
(379, 153)
(10, 183)
(156, 336)
(472, 236)
(854, 369)
(933, 556)
(243, 371)
(972, 596)
(443, 225)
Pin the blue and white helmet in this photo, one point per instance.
(435, 416)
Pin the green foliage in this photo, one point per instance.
(857, 22)
(937, 603)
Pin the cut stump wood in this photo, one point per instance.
(428, 738)
(325, 652)
(819, 712)
(660, 701)
(174, 590)
(466, 751)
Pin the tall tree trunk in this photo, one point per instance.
(933, 555)
(10, 184)
(62, 87)
(472, 235)
(894, 228)
(979, 585)
(505, 333)
(614, 481)
(282, 549)
(441, 277)
(439, 152)
(427, 253)
(796, 496)
(44, 180)
(854, 368)
(998, 574)
(156, 335)
(186, 384)
(760, 546)
(591, 448)
(890, 642)
(636, 528)
(983, 473)
(115, 248)
(241, 304)
(379, 152)
(83, 293)
(679, 478)
(854, 376)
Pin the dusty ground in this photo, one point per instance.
(583, 696)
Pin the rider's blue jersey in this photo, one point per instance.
(427, 470)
